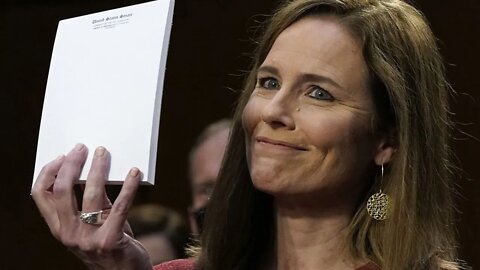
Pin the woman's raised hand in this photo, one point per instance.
(101, 239)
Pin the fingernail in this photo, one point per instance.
(100, 151)
(134, 172)
(79, 146)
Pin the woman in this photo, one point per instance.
(345, 108)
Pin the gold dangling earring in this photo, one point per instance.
(378, 205)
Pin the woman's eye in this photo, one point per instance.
(320, 93)
(268, 83)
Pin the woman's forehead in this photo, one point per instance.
(324, 36)
(320, 45)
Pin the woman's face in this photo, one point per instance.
(308, 123)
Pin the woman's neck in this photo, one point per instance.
(309, 238)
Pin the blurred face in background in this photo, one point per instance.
(205, 166)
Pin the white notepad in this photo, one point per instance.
(105, 87)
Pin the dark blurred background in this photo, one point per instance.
(209, 50)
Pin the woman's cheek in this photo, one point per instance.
(251, 116)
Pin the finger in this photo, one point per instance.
(121, 206)
(127, 229)
(41, 192)
(47, 176)
(94, 195)
(63, 192)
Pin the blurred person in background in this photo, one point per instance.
(205, 160)
(162, 231)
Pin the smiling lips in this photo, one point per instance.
(279, 144)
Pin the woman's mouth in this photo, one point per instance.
(279, 144)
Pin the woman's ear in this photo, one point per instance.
(386, 147)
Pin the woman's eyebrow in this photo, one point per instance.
(304, 77)
(268, 69)
(320, 78)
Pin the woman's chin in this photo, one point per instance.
(266, 184)
(274, 186)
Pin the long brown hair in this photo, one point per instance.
(411, 93)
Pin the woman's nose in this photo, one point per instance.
(278, 110)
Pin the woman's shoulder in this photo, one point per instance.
(180, 264)
(369, 266)
(189, 264)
